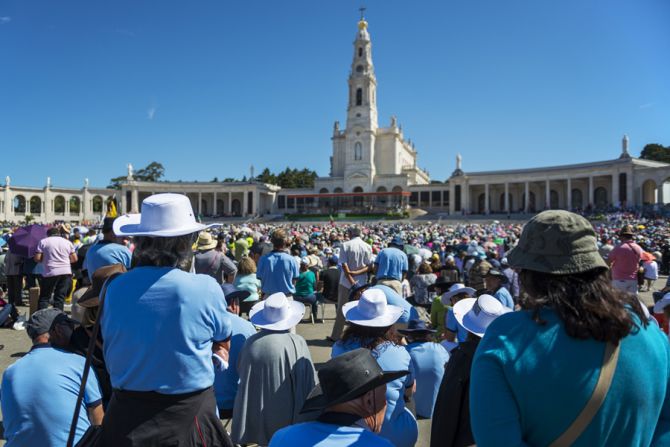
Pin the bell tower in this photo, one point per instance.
(362, 108)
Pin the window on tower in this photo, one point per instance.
(359, 96)
(360, 51)
(359, 69)
(358, 151)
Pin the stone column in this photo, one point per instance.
(256, 205)
(547, 195)
(487, 209)
(245, 204)
(615, 189)
(9, 208)
(526, 204)
(230, 202)
(660, 196)
(465, 205)
(569, 195)
(591, 190)
(507, 210)
(452, 199)
(630, 199)
(135, 199)
(199, 203)
(214, 210)
(122, 202)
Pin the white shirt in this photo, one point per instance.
(356, 254)
(650, 270)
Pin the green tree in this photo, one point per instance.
(656, 152)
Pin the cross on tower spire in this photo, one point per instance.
(362, 10)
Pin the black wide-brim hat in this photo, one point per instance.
(347, 377)
(441, 283)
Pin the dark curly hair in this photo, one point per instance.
(369, 337)
(587, 303)
(164, 251)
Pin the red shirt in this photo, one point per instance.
(625, 260)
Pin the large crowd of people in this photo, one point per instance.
(500, 333)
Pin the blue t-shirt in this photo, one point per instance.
(391, 263)
(452, 324)
(503, 295)
(158, 325)
(399, 427)
(277, 270)
(428, 360)
(105, 253)
(529, 381)
(39, 393)
(392, 297)
(226, 382)
(320, 434)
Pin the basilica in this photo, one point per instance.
(373, 170)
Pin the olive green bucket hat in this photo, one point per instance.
(557, 242)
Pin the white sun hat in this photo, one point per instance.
(163, 215)
(371, 310)
(456, 289)
(475, 314)
(277, 313)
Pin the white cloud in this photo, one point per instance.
(5, 19)
(151, 113)
(647, 105)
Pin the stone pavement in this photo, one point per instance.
(16, 344)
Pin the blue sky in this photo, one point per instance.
(210, 87)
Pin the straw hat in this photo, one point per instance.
(163, 215)
(371, 310)
(205, 241)
(277, 313)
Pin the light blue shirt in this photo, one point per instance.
(158, 325)
(529, 382)
(428, 360)
(503, 295)
(399, 427)
(105, 253)
(39, 393)
(277, 270)
(249, 283)
(226, 382)
(391, 263)
(452, 324)
(392, 297)
(319, 434)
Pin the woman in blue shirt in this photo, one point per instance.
(370, 323)
(535, 370)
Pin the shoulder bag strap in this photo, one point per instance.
(87, 364)
(578, 426)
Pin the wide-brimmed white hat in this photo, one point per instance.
(277, 313)
(475, 314)
(163, 215)
(371, 310)
(455, 290)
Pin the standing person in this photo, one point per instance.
(478, 271)
(109, 251)
(161, 326)
(13, 274)
(57, 254)
(451, 413)
(227, 381)
(575, 335)
(438, 311)
(246, 280)
(420, 283)
(330, 277)
(276, 372)
(277, 270)
(355, 259)
(305, 287)
(428, 360)
(512, 283)
(391, 265)
(495, 282)
(209, 261)
(370, 325)
(650, 268)
(351, 400)
(260, 248)
(624, 261)
(40, 391)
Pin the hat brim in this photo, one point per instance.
(447, 284)
(130, 225)
(90, 298)
(556, 265)
(416, 331)
(296, 312)
(316, 400)
(464, 317)
(353, 315)
(207, 246)
(238, 295)
(448, 295)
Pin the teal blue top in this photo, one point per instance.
(249, 283)
(530, 381)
